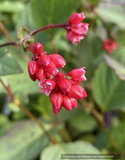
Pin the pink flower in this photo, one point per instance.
(80, 28)
(78, 74)
(110, 45)
(76, 29)
(63, 91)
(47, 86)
(57, 60)
(74, 38)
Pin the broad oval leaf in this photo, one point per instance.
(7, 6)
(79, 122)
(108, 90)
(51, 11)
(8, 64)
(24, 140)
(112, 13)
(79, 147)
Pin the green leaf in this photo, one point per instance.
(3, 119)
(24, 140)
(21, 83)
(83, 122)
(117, 132)
(13, 107)
(114, 14)
(119, 69)
(8, 65)
(108, 90)
(23, 20)
(79, 147)
(51, 11)
(22, 32)
(44, 105)
(7, 6)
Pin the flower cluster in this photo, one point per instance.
(109, 45)
(64, 92)
(75, 29)
(63, 89)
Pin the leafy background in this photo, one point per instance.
(20, 137)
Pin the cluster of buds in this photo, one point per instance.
(110, 45)
(43, 66)
(63, 89)
(75, 29)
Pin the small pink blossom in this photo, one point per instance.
(47, 86)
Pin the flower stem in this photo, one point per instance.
(100, 119)
(8, 44)
(63, 131)
(48, 27)
(10, 93)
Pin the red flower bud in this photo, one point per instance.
(74, 102)
(37, 48)
(65, 85)
(40, 74)
(80, 28)
(110, 45)
(33, 77)
(57, 60)
(47, 86)
(76, 18)
(59, 76)
(48, 75)
(51, 68)
(33, 67)
(44, 60)
(56, 99)
(67, 103)
(56, 110)
(78, 74)
(77, 92)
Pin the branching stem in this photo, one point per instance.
(10, 93)
(100, 119)
(48, 27)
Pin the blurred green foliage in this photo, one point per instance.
(22, 139)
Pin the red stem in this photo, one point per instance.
(48, 27)
(8, 44)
